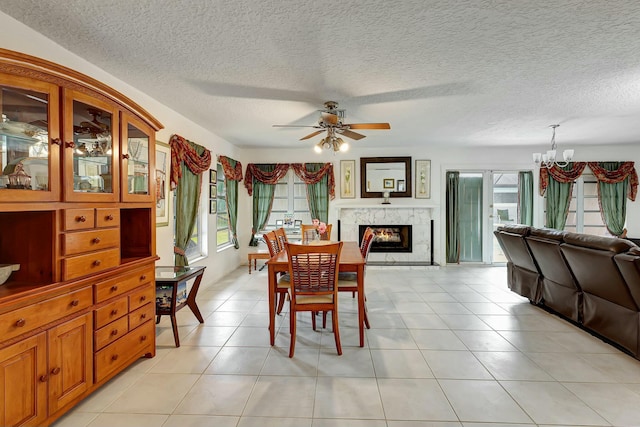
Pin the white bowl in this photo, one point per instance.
(6, 270)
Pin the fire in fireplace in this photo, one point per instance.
(388, 238)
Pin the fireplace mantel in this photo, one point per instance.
(350, 216)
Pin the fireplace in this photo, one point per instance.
(388, 238)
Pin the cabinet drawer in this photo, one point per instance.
(119, 353)
(28, 318)
(79, 219)
(110, 312)
(121, 284)
(111, 332)
(83, 265)
(141, 315)
(92, 240)
(141, 297)
(107, 217)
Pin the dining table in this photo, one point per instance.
(351, 260)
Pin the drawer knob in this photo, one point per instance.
(143, 338)
(97, 263)
(96, 240)
(125, 156)
(70, 144)
(109, 217)
(44, 378)
(143, 316)
(81, 218)
(143, 277)
(114, 311)
(114, 357)
(75, 303)
(55, 371)
(56, 141)
(114, 288)
(20, 323)
(114, 332)
(143, 298)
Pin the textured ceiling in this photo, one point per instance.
(466, 73)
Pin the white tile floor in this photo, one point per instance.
(446, 348)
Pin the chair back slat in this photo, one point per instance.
(272, 243)
(281, 235)
(367, 242)
(314, 269)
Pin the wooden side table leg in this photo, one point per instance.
(191, 298)
(174, 326)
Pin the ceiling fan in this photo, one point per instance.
(332, 121)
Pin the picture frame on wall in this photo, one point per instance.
(213, 191)
(347, 179)
(400, 185)
(388, 183)
(423, 179)
(213, 206)
(213, 176)
(163, 167)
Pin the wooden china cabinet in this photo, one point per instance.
(77, 213)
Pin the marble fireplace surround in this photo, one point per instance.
(419, 217)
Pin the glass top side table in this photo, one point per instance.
(171, 293)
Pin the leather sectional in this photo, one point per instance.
(593, 281)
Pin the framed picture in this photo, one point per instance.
(213, 176)
(423, 179)
(163, 166)
(213, 191)
(388, 183)
(347, 179)
(400, 185)
(213, 206)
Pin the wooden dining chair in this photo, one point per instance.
(283, 283)
(313, 271)
(348, 282)
(281, 235)
(308, 232)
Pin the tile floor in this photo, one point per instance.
(447, 348)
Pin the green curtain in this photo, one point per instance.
(232, 204)
(187, 204)
(613, 201)
(318, 194)
(453, 217)
(558, 200)
(525, 197)
(262, 202)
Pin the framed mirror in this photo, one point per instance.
(380, 174)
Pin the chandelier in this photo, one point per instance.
(331, 142)
(548, 159)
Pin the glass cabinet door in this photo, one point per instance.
(29, 140)
(91, 145)
(137, 160)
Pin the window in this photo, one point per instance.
(223, 233)
(290, 197)
(584, 211)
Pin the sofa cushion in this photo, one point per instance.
(604, 243)
(522, 230)
(548, 233)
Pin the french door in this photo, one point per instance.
(487, 199)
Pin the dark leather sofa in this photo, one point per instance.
(593, 281)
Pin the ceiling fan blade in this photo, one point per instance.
(295, 126)
(368, 125)
(352, 135)
(311, 135)
(329, 118)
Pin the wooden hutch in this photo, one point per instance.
(77, 213)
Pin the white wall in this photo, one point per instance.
(16, 36)
(443, 159)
